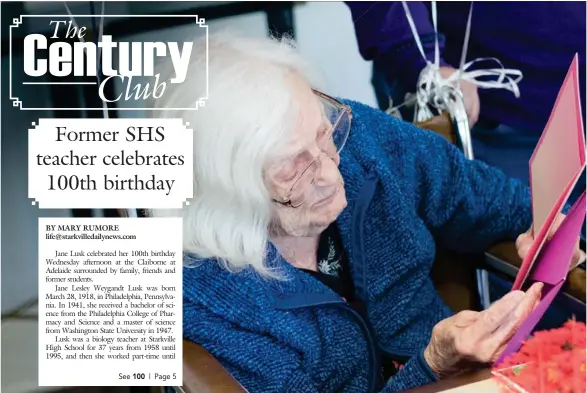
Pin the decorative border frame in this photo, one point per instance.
(16, 22)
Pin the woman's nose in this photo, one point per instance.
(329, 172)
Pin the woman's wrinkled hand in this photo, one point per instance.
(525, 240)
(470, 338)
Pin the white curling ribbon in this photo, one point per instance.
(434, 90)
(445, 94)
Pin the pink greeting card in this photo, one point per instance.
(555, 167)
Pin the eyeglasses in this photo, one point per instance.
(330, 141)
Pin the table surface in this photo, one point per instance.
(452, 383)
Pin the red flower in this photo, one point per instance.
(551, 361)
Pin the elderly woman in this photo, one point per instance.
(313, 227)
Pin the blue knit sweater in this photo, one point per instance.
(408, 191)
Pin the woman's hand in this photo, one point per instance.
(525, 240)
(470, 338)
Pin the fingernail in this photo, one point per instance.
(537, 287)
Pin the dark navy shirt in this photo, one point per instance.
(538, 38)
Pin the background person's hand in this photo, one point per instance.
(470, 96)
(525, 240)
(471, 338)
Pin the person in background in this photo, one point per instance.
(538, 38)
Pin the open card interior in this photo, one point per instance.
(555, 167)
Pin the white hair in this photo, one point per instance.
(249, 115)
